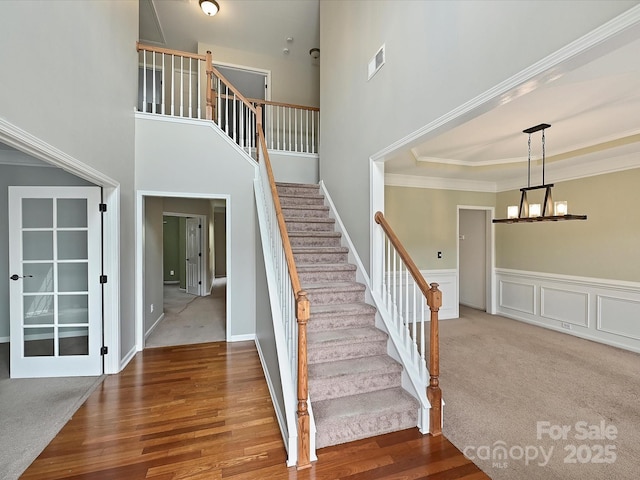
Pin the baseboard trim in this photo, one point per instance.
(153, 327)
(127, 358)
(242, 338)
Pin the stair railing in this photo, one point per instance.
(294, 304)
(289, 127)
(405, 293)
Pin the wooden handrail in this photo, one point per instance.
(233, 89)
(282, 104)
(434, 301)
(303, 310)
(404, 255)
(169, 51)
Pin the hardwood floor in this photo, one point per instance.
(204, 412)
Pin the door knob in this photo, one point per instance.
(15, 276)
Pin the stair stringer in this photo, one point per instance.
(287, 420)
(412, 381)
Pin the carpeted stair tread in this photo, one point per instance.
(322, 208)
(345, 419)
(334, 287)
(353, 366)
(353, 376)
(345, 336)
(326, 267)
(320, 249)
(310, 220)
(301, 199)
(342, 309)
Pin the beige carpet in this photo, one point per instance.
(502, 379)
(191, 319)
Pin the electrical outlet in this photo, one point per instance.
(439, 254)
(566, 325)
(151, 308)
(171, 272)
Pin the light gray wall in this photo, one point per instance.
(439, 55)
(292, 168)
(17, 175)
(69, 77)
(178, 156)
(153, 274)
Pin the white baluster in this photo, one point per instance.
(413, 324)
(306, 129)
(226, 109)
(181, 86)
(295, 128)
(190, 93)
(153, 83)
(173, 85)
(235, 119)
(144, 80)
(289, 128)
(199, 93)
(163, 84)
(218, 103)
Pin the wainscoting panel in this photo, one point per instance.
(565, 306)
(619, 316)
(517, 296)
(602, 310)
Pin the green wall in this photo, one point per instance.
(604, 246)
(425, 221)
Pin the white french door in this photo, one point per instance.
(194, 255)
(55, 290)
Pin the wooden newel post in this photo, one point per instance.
(209, 88)
(304, 443)
(434, 394)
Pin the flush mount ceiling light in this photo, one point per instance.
(549, 211)
(210, 7)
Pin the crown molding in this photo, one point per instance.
(437, 183)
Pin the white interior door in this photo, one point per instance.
(194, 255)
(55, 292)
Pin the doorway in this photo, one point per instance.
(184, 291)
(475, 257)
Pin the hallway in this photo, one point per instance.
(189, 319)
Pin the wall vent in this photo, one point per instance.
(376, 62)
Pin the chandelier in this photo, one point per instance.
(549, 211)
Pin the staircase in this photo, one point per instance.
(355, 387)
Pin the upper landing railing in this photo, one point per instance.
(187, 85)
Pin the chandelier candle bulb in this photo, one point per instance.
(512, 211)
(560, 208)
(534, 210)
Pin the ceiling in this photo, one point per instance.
(261, 26)
(592, 102)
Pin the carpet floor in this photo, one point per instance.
(511, 390)
(32, 412)
(190, 319)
